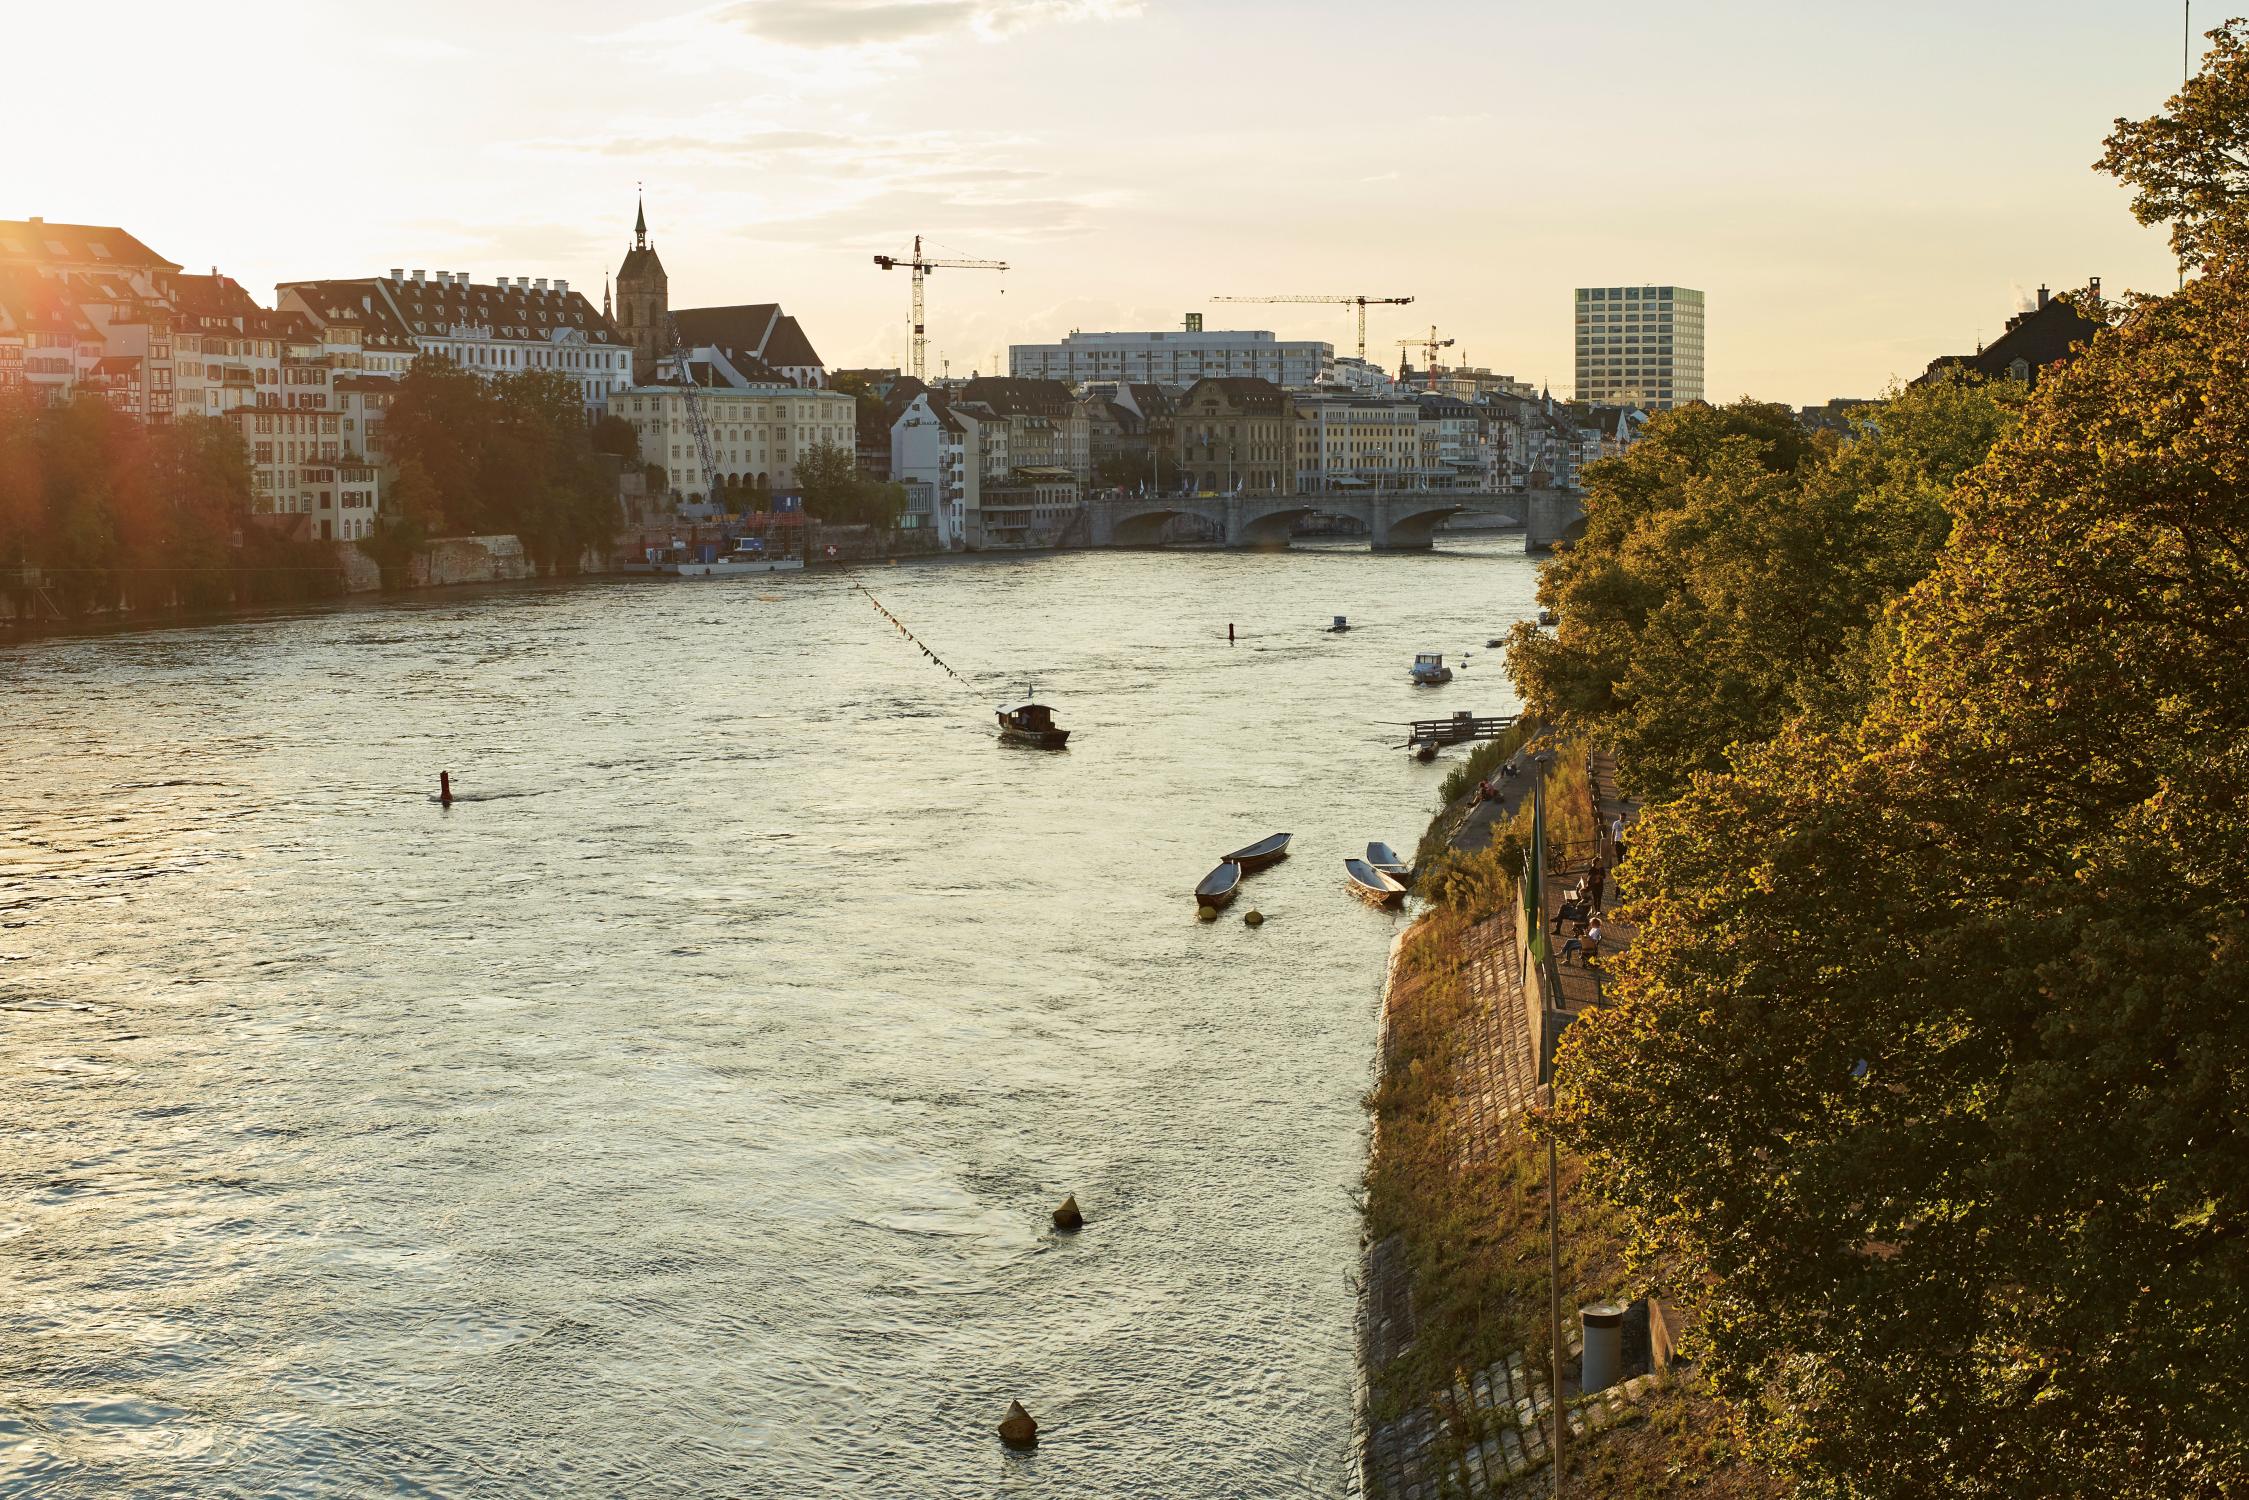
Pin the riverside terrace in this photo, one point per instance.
(1396, 520)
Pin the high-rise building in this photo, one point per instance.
(1639, 346)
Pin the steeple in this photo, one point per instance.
(605, 296)
(643, 300)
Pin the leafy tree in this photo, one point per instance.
(836, 492)
(616, 436)
(2189, 167)
(1734, 571)
(1927, 1059)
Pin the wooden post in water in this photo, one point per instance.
(445, 788)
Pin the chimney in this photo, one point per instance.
(2094, 286)
(35, 219)
(395, 274)
(417, 276)
(542, 283)
(2043, 297)
(562, 288)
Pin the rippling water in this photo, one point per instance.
(682, 1112)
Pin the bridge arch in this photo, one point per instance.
(1414, 525)
(1143, 526)
(1271, 528)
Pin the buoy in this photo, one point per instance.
(1253, 918)
(1067, 1216)
(1206, 913)
(445, 788)
(1017, 1429)
(1229, 632)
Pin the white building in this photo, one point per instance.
(1176, 359)
(758, 433)
(929, 446)
(1639, 346)
(502, 328)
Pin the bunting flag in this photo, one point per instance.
(919, 644)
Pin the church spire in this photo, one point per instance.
(640, 223)
(605, 296)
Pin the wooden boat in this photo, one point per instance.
(1031, 724)
(1220, 885)
(1372, 884)
(1385, 859)
(1429, 669)
(1271, 849)
(1425, 751)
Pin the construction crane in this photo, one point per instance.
(1428, 347)
(695, 422)
(922, 268)
(1361, 303)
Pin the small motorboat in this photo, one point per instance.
(1546, 617)
(1340, 626)
(1385, 859)
(1372, 884)
(1429, 669)
(1219, 885)
(1271, 849)
(1031, 724)
(1425, 751)
(1495, 643)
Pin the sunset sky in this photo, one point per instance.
(1857, 188)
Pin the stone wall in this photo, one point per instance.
(468, 559)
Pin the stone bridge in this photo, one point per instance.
(1396, 520)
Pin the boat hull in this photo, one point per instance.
(1370, 884)
(1220, 885)
(1037, 739)
(730, 568)
(1266, 851)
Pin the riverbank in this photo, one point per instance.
(1455, 1346)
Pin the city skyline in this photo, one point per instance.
(1847, 225)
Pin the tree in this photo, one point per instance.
(2189, 167)
(1928, 1057)
(617, 437)
(836, 492)
(1734, 571)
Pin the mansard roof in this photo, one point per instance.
(1014, 395)
(35, 240)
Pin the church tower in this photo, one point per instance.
(644, 303)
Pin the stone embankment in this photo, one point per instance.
(1455, 1354)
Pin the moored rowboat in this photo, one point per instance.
(1372, 884)
(1219, 886)
(1268, 850)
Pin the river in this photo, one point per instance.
(681, 1112)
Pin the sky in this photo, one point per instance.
(1856, 188)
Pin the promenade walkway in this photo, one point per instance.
(1582, 979)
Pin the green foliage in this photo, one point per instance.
(1928, 1052)
(2189, 167)
(836, 492)
(1735, 570)
(513, 455)
(111, 513)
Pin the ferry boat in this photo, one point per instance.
(1429, 669)
(680, 560)
(1031, 724)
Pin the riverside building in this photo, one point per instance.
(1639, 346)
(758, 435)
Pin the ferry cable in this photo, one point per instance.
(900, 626)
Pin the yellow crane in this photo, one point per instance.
(922, 268)
(1361, 303)
(1428, 347)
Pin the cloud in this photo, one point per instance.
(883, 23)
